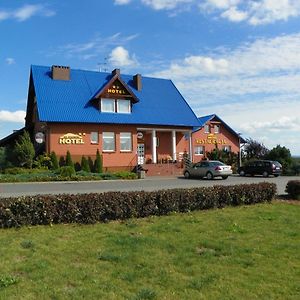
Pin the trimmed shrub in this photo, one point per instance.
(293, 189)
(62, 161)
(91, 164)
(54, 161)
(67, 171)
(103, 207)
(85, 165)
(98, 168)
(69, 161)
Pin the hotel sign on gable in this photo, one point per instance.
(115, 89)
(211, 139)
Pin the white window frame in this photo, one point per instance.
(110, 100)
(108, 135)
(206, 128)
(126, 136)
(217, 128)
(94, 136)
(196, 148)
(227, 148)
(128, 106)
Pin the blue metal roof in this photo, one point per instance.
(160, 103)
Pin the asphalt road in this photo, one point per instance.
(148, 184)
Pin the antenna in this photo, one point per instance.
(103, 65)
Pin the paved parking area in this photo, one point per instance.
(148, 184)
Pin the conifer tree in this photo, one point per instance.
(85, 165)
(98, 168)
(69, 161)
(54, 160)
(24, 151)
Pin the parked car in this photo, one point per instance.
(208, 169)
(261, 167)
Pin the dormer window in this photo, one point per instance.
(116, 95)
(115, 105)
(108, 105)
(123, 106)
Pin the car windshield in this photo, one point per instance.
(276, 163)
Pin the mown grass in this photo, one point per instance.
(248, 252)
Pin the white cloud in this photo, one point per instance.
(269, 11)
(26, 12)
(166, 4)
(95, 47)
(122, 2)
(234, 15)
(10, 61)
(120, 57)
(254, 87)
(255, 12)
(15, 116)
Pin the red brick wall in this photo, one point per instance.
(117, 158)
(225, 137)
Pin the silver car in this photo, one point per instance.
(208, 169)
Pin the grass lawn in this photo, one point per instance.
(250, 252)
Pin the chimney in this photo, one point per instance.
(137, 80)
(115, 71)
(60, 73)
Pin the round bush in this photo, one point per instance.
(67, 171)
(293, 189)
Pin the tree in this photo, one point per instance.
(282, 155)
(98, 168)
(85, 164)
(91, 164)
(54, 160)
(254, 149)
(69, 161)
(2, 157)
(24, 151)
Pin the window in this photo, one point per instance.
(107, 105)
(125, 141)
(94, 137)
(123, 106)
(217, 128)
(108, 141)
(227, 148)
(206, 128)
(199, 150)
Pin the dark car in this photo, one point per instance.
(261, 167)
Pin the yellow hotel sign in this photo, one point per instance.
(211, 139)
(72, 138)
(115, 89)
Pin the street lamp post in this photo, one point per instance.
(240, 150)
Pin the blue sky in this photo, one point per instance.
(239, 59)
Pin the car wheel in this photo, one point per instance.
(242, 173)
(187, 175)
(209, 176)
(224, 177)
(276, 175)
(265, 174)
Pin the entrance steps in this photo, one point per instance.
(167, 169)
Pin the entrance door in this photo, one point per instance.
(141, 154)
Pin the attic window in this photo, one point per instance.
(115, 105)
(123, 106)
(108, 105)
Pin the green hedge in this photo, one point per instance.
(103, 207)
(293, 189)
